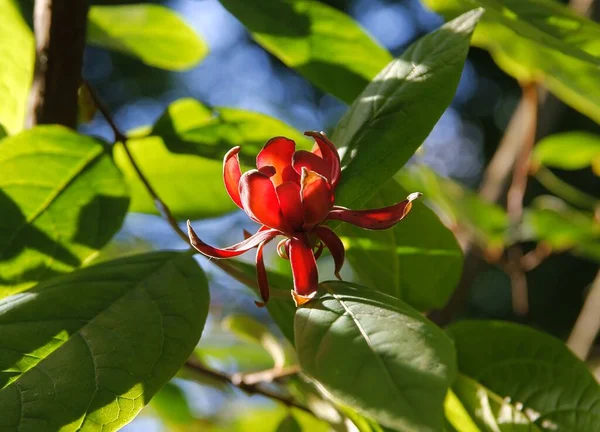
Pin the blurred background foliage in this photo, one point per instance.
(237, 73)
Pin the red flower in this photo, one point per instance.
(291, 194)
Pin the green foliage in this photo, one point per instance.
(89, 349)
(153, 33)
(171, 404)
(324, 45)
(539, 372)
(569, 151)
(398, 261)
(382, 377)
(183, 156)
(540, 41)
(17, 50)
(61, 199)
(392, 117)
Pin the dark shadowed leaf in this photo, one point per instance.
(61, 200)
(88, 350)
(376, 354)
(556, 390)
(152, 33)
(325, 45)
(418, 260)
(392, 117)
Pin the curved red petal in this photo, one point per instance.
(278, 153)
(375, 219)
(304, 267)
(329, 154)
(319, 250)
(259, 200)
(283, 249)
(312, 162)
(261, 275)
(232, 174)
(291, 205)
(335, 246)
(231, 251)
(317, 198)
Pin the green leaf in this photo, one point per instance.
(398, 261)
(540, 41)
(557, 390)
(249, 329)
(61, 200)
(469, 403)
(568, 151)
(171, 405)
(323, 44)
(392, 117)
(376, 354)
(289, 424)
(183, 156)
(88, 350)
(17, 53)
(153, 33)
(486, 222)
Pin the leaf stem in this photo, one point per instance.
(564, 190)
(587, 325)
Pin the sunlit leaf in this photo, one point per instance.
(88, 350)
(399, 260)
(376, 354)
(325, 45)
(17, 53)
(396, 112)
(61, 200)
(153, 33)
(536, 371)
(568, 150)
(171, 405)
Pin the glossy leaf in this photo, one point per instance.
(17, 53)
(557, 390)
(61, 200)
(183, 156)
(394, 114)
(486, 222)
(400, 365)
(568, 151)
(152, 33)
(88, 350)
(323, 44)
(541, 41)
(398, 261)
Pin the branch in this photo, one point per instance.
(588, 323)
(60, 41)
(250, 389)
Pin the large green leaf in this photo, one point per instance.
(324, 45)
(183, 156)
(392, 117)
(61, 200)
(153, 33)
(88, 350)
(376, 354)
(398, 261)
(569, 151)
(17, 52)
(541, 41)
(556, 390)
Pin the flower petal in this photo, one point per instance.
(278, 153)
(283, 249)
(317, 198)
(312, 162)
(304, 267)
(232, 174)
(291, 205)
(375, 219)
(231, 251)
(259, 200)
(335, 246)
(330, 154)
(261, 275)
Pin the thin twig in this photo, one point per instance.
(534, 258)
(265, 376)
(588, 323)
(248, 388)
